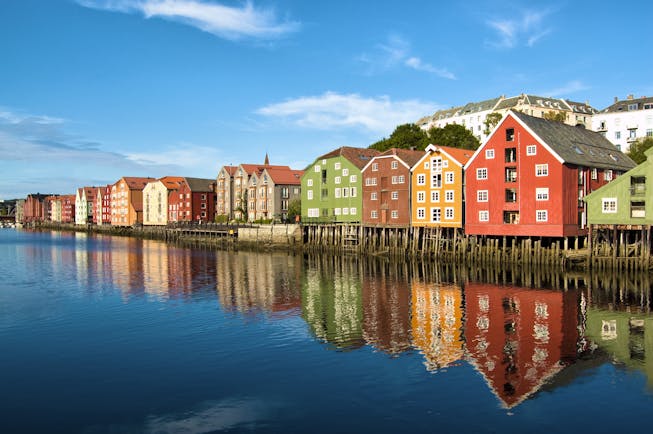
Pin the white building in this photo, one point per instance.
(473, 115)
(155, 199)
(625, 121)
(84, 201)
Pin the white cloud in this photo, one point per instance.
(527, 30)
(227, 22)
(396, 52)
(333, 110)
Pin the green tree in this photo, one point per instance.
(555, 116)
(405, 136)
(294, 209)
(637, 149)
(455, 136)
(491, 121)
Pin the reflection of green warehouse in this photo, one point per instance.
(627, 337)
(331, 186)
(623, 201)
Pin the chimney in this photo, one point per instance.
(630, 96)
(616, 99)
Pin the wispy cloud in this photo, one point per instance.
(37, 153)
(396, 52)
(568, 88)
(228, 22)
(332, 110)
(527, 30)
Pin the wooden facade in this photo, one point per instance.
(127, 200)
(195, 200)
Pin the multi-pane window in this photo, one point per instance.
(394, 165)
(448, 196)
(531, 150)
(373, 196)
(481, 173)
(395, 195)
(609, 205)
(337, 192)
(541, 170)
(352, 178)
(370, 181)
(345, 172)
(338, 180)
(607, 175)
(309, 194)
(489, 154)
(352, 191)
(435, 196)
(541, 194)
(309, 183)
(421, 179)
(481, 196)
(541, 215)
(374, 214)
(448, 213)
(421, 213)
(394, 214)
(337, 166)
(375, 167)
(484, 216)
(448, 178)
(421, 196)
(436, 214)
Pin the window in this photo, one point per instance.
(395, 195)
(510, 134)
(448, 213)
(317, 168)
(541, 215)
(609, 205)
(394, 214)
(394, 165)
(421, 197)
(345, 192)
(541, 194)
(436, 214)
(448, 196)
(352, 178)
(638, 209)
(426, 164)
(352, 191)
(632, 134)
(337, 211)
(510, 155)
(481, 173)
(352, 211)
(313, 212)
(511, 195)
(531, 150)
(594, 174)
(337, 166)
(309, 183)
(435, 196)
(345, 211)
(484, 216)
(370, 181)
(421, 213)
(421, 179)
(436, 164)
(345, 172)
(511, 217)
(309, 194)
(489, 154)
(511, 174)
(448, 178)
(374, 214)
(607, 175)
(337, 193)
(632, 107)
(649, 132)
(375, 167)
(541, 170)
(436, 180)
(203, 197)
(617, 135)
(337, 180)
(373, 196)
(481, 196)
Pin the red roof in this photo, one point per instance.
(136, 183)
(408, 156)
(461, 155)
(285, 176)
(259, 168)
(359, 157)
(172, 182)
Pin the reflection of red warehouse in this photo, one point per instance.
(530, 176)
(518, 338)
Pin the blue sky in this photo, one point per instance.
(92, 90)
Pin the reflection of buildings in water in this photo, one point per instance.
(127, 266)
(386, 312)
(331, 302)
(626, 335)
(249, 281)
(519, 338)
(437, 323)
(155, 269)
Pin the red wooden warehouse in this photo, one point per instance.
(529, 177)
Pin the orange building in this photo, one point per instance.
(437, 323)
(437, 187)
(127, 201)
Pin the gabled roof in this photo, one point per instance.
(136, 183)
(359, 157)
(200, 184)
(172, 182)
(259, 168)
(461, 156)
(576, 145)
(475, 107)
(229, 169)
(285, 177)
(581, 107)
(408, 156)
(622, 106)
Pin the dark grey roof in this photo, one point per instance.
(475, 107)
(622, 106)
(199, 184)
(581, 107)
(508, 102)
(577, 145)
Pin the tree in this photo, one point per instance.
(294, 209)
(405, 136)
(637, 149)
(491, 121)
(555, 116)
(455, 136)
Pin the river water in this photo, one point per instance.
(103, 334)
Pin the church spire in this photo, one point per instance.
(267, 160)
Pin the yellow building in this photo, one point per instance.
(437, 187)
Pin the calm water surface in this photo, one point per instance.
(117, 335)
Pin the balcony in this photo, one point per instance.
(511, 174)
(638, 209)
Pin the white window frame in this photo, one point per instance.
(481, 173)
(448, 213)
(374, 196)
(394, 214)
(481, 195)
(542, 170)
(375, 167)
(609, 205)
(394, 195)
(489, 154)
(542, 194)
(484, 216)
(338, 180)
(541, 215)
(309, 194)
(421, 196)
(449, 178)
(531, 150)
(421, 179)
(435, 196)
(421, 213)
(374, 214)
(449, 196)
(394, 165)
